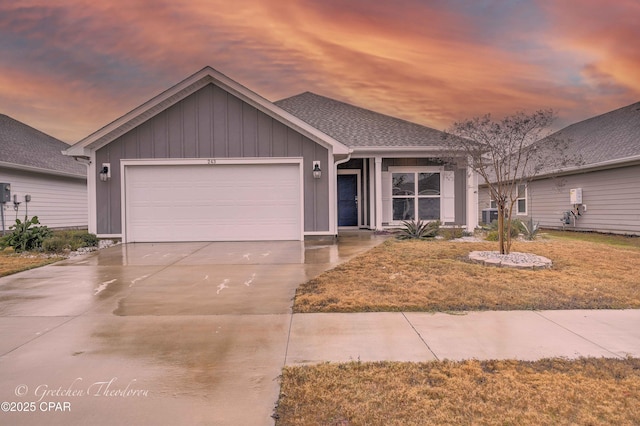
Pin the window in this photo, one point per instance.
(416, 196)
(521, 201)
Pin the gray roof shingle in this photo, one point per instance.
(25, 146)
(358, 127)
(612, 136)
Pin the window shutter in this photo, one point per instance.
(448, 197)
(387, 214)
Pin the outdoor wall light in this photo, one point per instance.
(316, 170)
(105, 172)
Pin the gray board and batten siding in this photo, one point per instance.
(212, 123)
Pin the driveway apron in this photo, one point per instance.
(174, 333)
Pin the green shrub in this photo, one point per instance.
(55, 244)
(419, 230)
(27, 235)
(492, 235)
(453, 232)
(69, 239)
(89, 240)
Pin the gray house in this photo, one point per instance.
(210, 160)
(603, 193)
(33, 164)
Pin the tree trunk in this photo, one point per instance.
(501, 242)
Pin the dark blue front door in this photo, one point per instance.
(347, 200)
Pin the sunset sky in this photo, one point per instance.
(68, 67)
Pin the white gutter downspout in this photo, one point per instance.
(335, 195)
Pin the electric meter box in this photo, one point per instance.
(575, 195)
(5, 192)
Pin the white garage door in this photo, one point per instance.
(222, 202)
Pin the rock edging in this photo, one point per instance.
(511, 260)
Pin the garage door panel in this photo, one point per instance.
(213, 203)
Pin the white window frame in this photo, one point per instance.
(523, 198)
(493, 205)
(416, 170)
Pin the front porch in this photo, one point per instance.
(380, 192)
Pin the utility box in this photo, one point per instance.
(575, 195)
(5, 192)
(489, 215)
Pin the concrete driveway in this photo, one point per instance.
(189, 333)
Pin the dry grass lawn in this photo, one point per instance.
(548, 392)
(589, 272)
(11, 263)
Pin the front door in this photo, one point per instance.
(347, 200)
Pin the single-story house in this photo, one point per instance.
(210, 160)
(31, 162)
(602, 193)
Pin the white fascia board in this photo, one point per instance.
(41, 170)
(79, 152)
(185, 88)
(594, 167)
(409, 151)
(603, 165)
(97, 139)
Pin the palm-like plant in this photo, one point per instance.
(419, 229)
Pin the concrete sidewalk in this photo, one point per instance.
(523, 335)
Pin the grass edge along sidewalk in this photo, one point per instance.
(550, 391)
(589, 272)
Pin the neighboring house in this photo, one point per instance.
(33, 164)
(603, 193)
(210, 160)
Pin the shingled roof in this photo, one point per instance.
(358, 127)
(21, 145)
(610, 137)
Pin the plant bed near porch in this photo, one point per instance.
(437, 276)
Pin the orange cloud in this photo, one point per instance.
(605, 35)
(77, 65)
(424, 75)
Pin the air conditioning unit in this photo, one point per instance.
(489, 215)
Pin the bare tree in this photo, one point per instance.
(508, 153)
